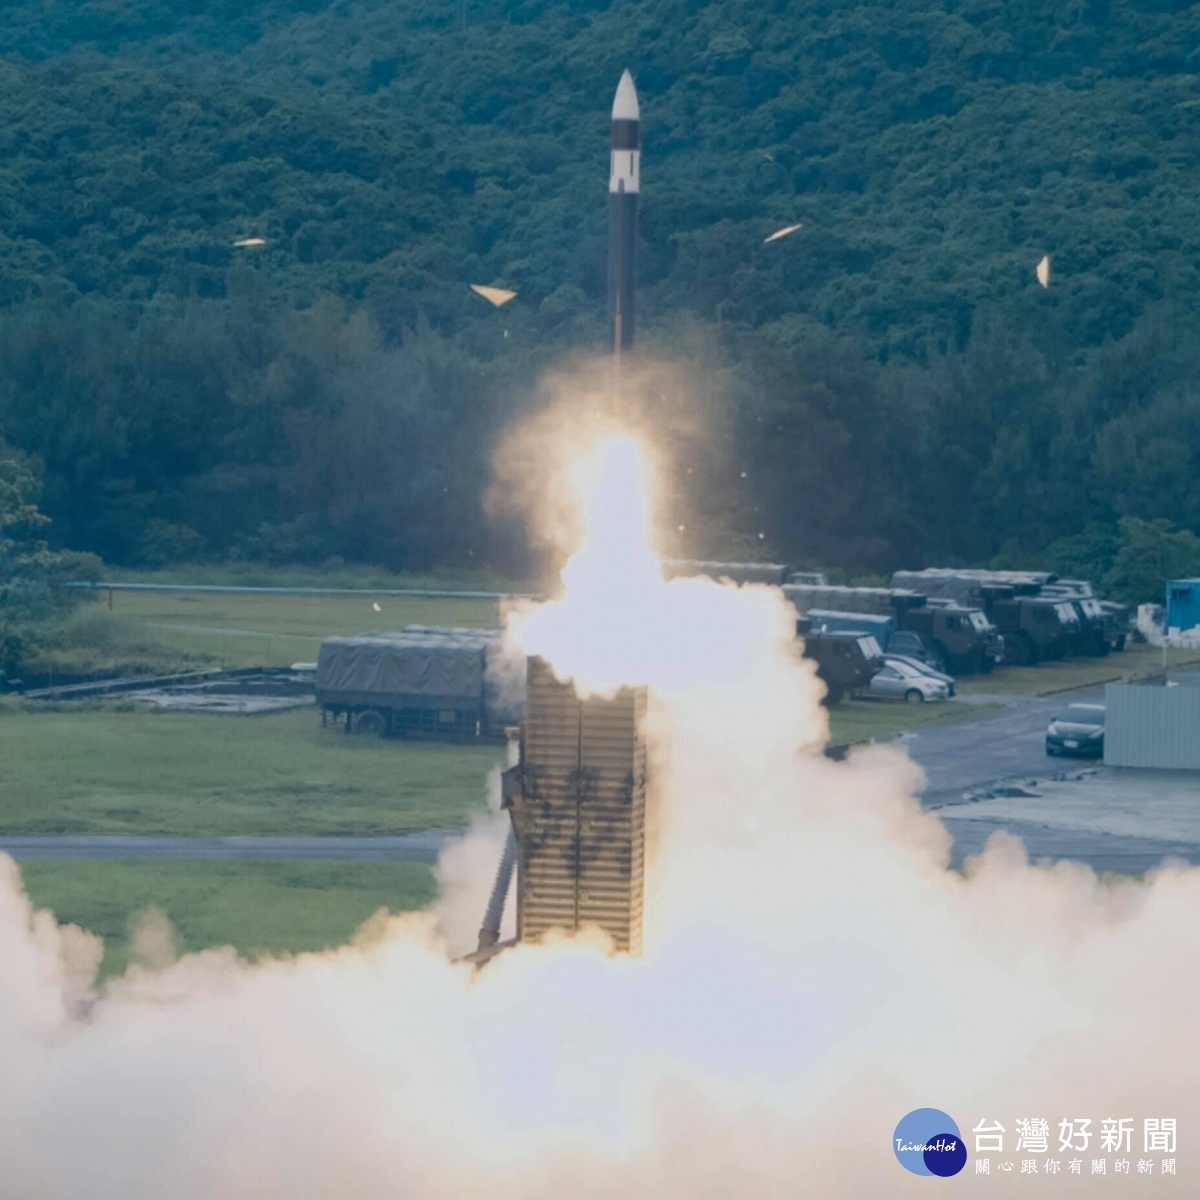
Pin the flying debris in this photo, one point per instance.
(782, 233)
(249, 243)
(624, 183)
(496, 296)
(375, 606)
(1043, 271)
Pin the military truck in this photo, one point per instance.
(423, 681)
(966, 642)
(845, 661)
(1116, 617)
(1035, 628)
(1093, 636)
(883, 629)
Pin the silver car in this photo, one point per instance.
(924, 668)
(896, 681)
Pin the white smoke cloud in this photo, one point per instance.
(1150, 626)
(814, 970)
(465, 873)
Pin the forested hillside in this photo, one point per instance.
(892, 379)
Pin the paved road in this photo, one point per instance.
(413, 847)
(1113, 820)
(969, 755)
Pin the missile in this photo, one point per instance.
(623, 183)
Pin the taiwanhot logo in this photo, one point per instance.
(927, 1142)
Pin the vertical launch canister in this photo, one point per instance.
(578, 802)
(624, 182)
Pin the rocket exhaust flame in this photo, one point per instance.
(815, 972)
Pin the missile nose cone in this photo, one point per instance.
(625, 105)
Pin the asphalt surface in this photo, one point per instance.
(413, 847)
(994, 775)
(967, 755)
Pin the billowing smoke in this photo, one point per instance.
(1150, 625)
(465, 874)
(815, 971)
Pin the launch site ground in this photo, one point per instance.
(272, 834)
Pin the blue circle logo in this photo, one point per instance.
(927, 1142)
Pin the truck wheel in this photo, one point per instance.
(833, 696)
(371, 723)
(1120, 643)
(987, 664)
(912, 696)
(1023, 652)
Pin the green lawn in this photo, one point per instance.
(329, 575)
(111, 771)
(860, 720)
(1049, 678)
(238, 629)
(257, 907)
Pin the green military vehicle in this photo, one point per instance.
(1035, 628)
(1115, 618)
(962, 637)
(845, 662)
(423, 681)
(1093, 637)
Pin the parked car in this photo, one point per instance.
(1078, 730)
(898, 681)
(916, 664)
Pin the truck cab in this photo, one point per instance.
(968, 642)
(1109, 621)
(846, 661)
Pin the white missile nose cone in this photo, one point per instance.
(625, 106)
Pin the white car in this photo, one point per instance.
(896, 681)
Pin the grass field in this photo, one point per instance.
(259, 908)
(330, 575)
(241, 629)
(861, 720)
(1049, 678)
(108, 770)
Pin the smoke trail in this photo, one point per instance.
(816, 971)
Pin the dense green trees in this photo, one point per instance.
(29, 570)
(889, 387)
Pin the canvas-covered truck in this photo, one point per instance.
(421, 682)
(1094, 635)
(964, 640)
(1035, 628)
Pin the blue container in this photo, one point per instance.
(1183, 604)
